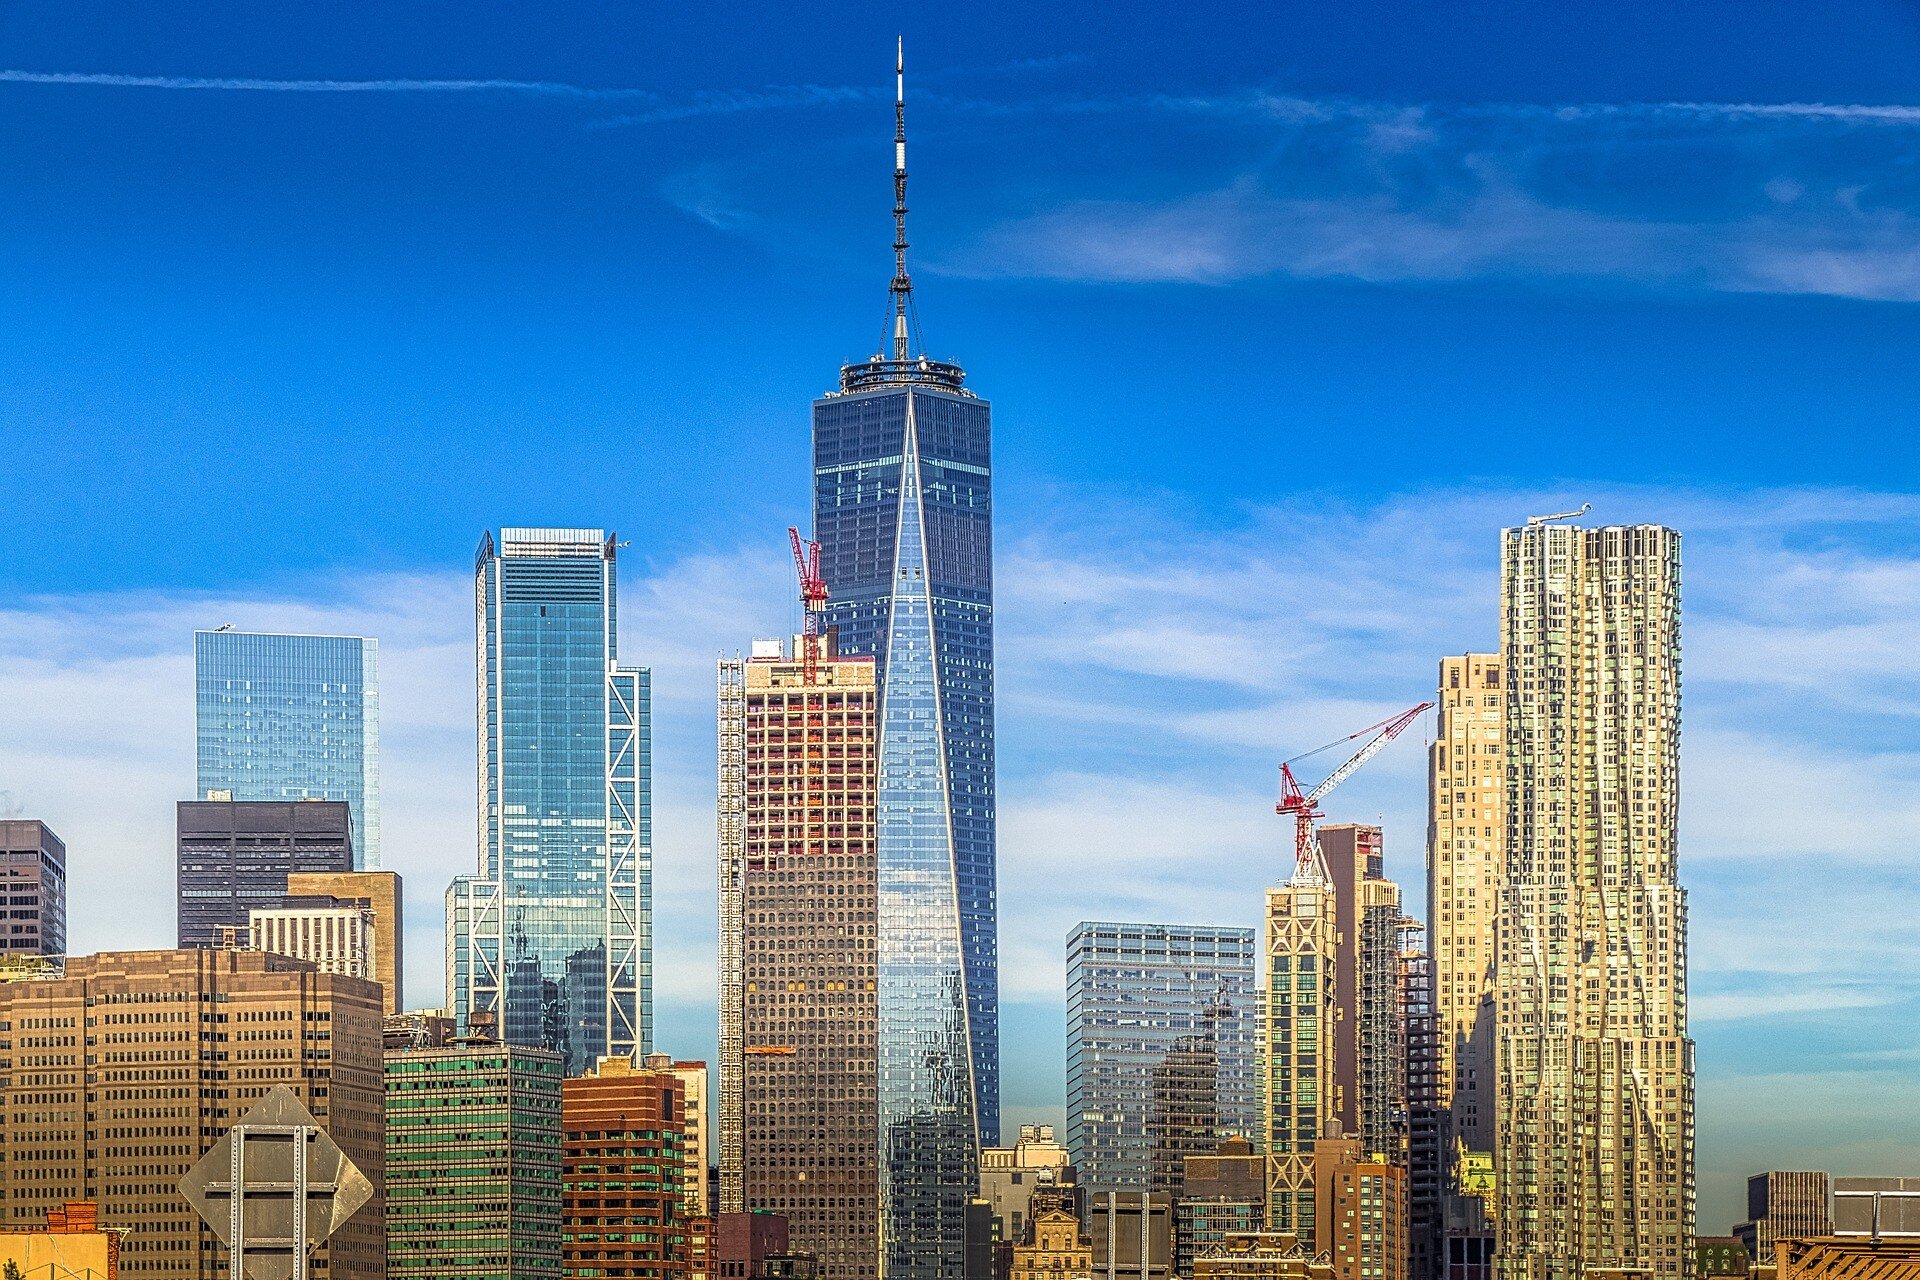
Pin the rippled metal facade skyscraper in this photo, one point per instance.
(902, 508)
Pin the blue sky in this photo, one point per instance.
(1284, 311)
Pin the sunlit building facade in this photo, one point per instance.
(286, 717)
(553, 935)
(1594, 1107)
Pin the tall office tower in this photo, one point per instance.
(1335, 1041)
(1426, 1122)
(1360, 1210)
(237, 855)
(1303, 1023)
(800, 1132)
(1367, 1040)
(902, 506)
(378, 892)
(1594, 1123)
(1220, 1195)
(1161, 1048)
(33, 884)
(554, 935)
(291, 718)
(624, 1173)
(473, 1162)
(1784, 1205)
(118, 1076)
(1466, 829)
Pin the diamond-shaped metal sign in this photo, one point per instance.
(274, 1188)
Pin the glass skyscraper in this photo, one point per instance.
(281, 717)
(902, 508)
(553, 937)
(1162, 1049)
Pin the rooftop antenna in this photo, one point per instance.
(902, 286)
(1536, 521)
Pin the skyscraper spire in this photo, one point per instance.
(902, 287)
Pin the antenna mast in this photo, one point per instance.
(902, 287)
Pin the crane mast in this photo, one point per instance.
(1302, 806)
(813, 600)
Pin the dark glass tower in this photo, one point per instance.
(902, 506)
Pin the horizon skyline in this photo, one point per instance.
(1247, 495)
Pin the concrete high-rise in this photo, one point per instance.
(235, 856)
(377, 892)
(624, 1162)
(1594, 1105)
(33, 883)
(554, 933)
(284, 717)
(118, 1076)
(800, 1131)
(1784, 1205)
(1466, 829)
(1162, 1049)
(1369, 1050)
(473, 1162)
(902, 507)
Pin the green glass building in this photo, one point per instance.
(473, 1162)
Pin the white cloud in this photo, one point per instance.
(1390, 192)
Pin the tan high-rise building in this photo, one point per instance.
(116, 1078)
(378, 892)
(1360, 1210)
(1335, 1038)
(1594, 1102)
(1466, 830)
(799, 1120)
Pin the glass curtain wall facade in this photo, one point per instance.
(553, 936)
(282, 717)
(1162, 1049)
(902, 509)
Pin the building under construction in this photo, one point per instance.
(799, 1126)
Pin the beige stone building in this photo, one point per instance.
(1054, 1249)
(377, 892)
(118, 1076)
(1594, 1104)
(1466, 830)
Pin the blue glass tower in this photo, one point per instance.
(553, 936)
(281, 717)
(902, 507)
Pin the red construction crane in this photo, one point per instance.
(813, 599)
(1306, 850)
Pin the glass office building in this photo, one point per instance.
(552, 938)
(1162, 1049)
(283, 717)
(902, 508)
